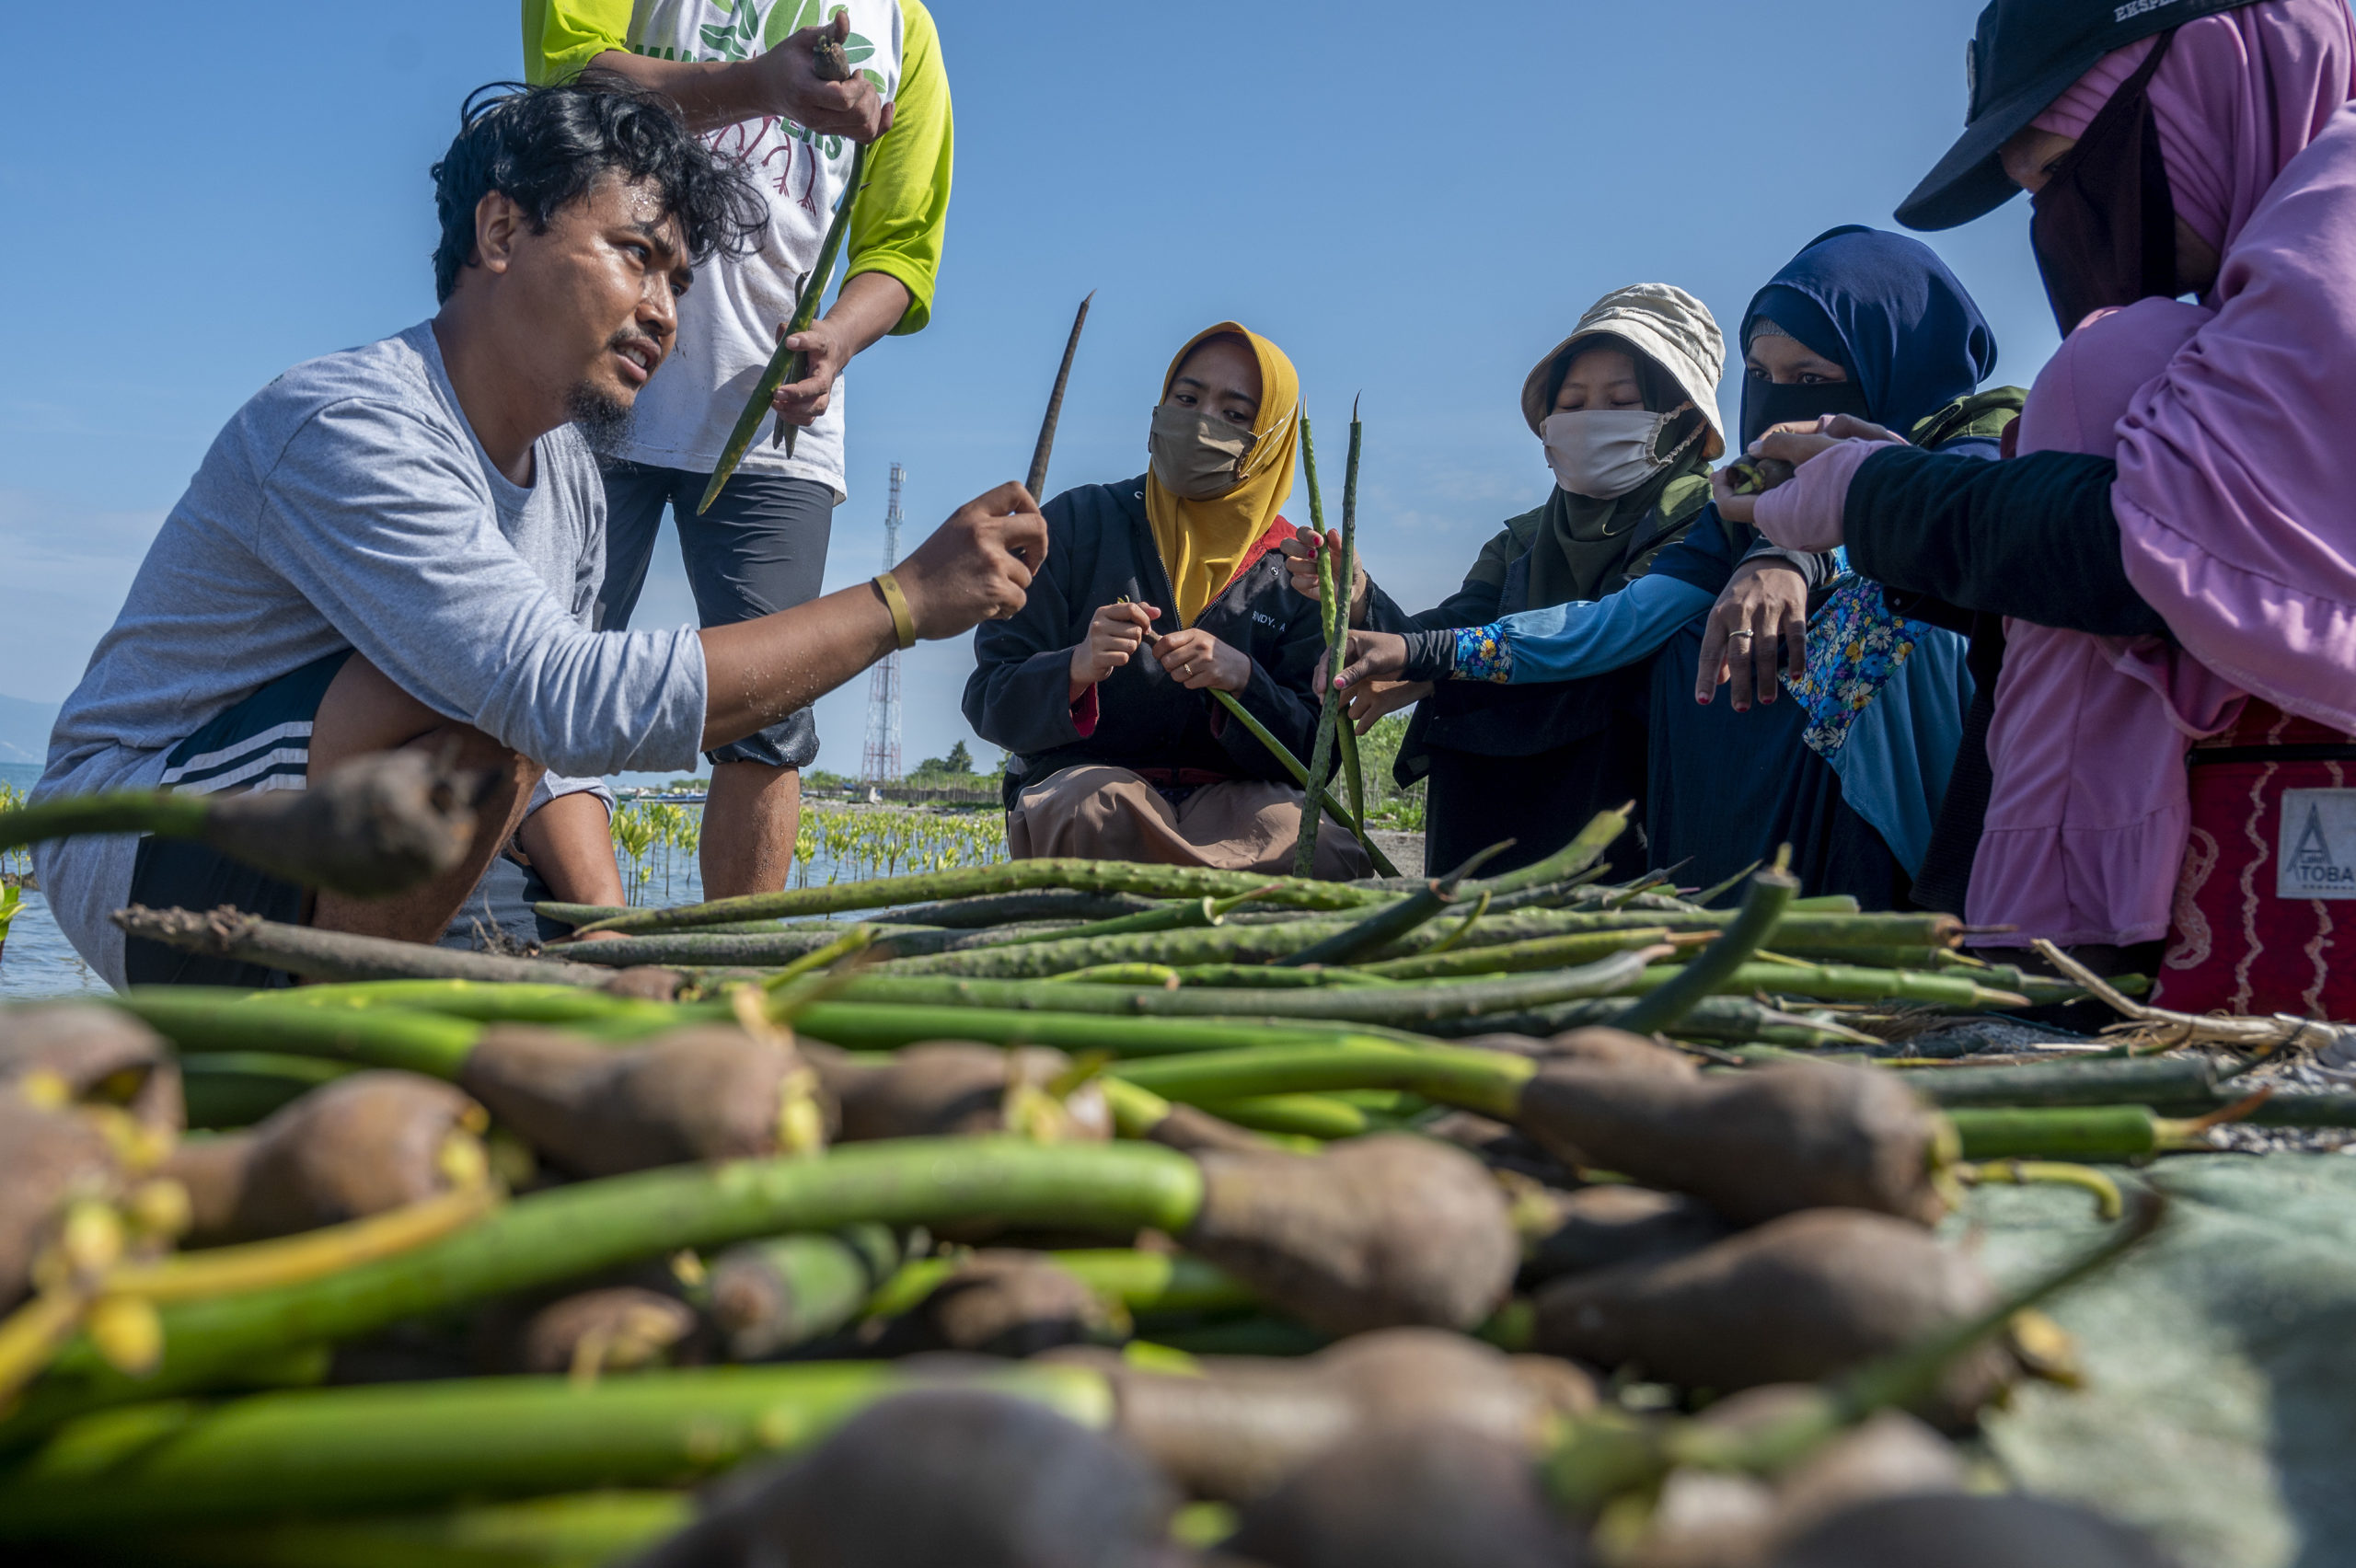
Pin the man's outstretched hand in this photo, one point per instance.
(977, 566)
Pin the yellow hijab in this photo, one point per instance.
(1202, 542)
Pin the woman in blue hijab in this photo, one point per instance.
(1851, 773)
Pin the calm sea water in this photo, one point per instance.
(37, 961)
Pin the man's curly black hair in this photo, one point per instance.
(544, 147)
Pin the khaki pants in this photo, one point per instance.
(1101, 813)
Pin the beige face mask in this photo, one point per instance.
(1197, 456)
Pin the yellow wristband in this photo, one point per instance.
(903, 624)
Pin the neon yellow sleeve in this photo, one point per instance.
(900, 222)
(562, 36)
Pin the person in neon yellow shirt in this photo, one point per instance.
(742, 72)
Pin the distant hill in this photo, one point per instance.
(23, 728)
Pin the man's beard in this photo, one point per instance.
(602, 418)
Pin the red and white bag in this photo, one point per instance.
(2265, 918)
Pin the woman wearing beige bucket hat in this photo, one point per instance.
(1626, 409)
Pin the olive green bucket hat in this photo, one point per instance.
(1660, 321)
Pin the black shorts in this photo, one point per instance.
(761, 548)
(263, 742)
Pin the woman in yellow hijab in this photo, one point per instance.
(1155, 593)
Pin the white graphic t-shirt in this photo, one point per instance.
(728, 321)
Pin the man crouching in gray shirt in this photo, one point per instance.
(401, 545)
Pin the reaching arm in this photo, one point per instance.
(1563, 642)
(975, 567)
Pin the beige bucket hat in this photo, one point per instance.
(1662, 321)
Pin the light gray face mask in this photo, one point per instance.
(1606, 453)
(1197, 454)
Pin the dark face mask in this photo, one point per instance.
(2104, 228)
(1767, 403)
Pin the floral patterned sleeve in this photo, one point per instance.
(1483, 654)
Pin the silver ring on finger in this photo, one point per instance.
(1743, 635)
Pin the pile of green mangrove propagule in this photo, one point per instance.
(1515, 1219)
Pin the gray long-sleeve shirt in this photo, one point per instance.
(348, 504)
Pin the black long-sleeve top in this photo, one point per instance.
(1100, 547)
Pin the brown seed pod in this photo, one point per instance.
(1603, 1226)
(1193, 1130)
(356, 1146)
(1005, 1301)
(101, 1054)
(1598, 1046)
(1755, 475)
(949, 1089)
(1959, 1531)
(378, 825)
(1403, 1498)
(1752, 1144)
(707, 1091)
(939, 1476)
(1236, 1430)
(1374, 1232)
(1796, 1300)
(620, 1329)
(46, 1157)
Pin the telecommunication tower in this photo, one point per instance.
(878, 761)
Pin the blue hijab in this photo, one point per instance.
(1886, 309)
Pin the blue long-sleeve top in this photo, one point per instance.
(1590, 636)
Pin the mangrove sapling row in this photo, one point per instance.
(364, 1144)
(1084, 876)
(1382, 1230)
(378, 826)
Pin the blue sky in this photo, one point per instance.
(1416, 202)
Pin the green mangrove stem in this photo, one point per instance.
(1762, 909)
(1007, 876)
(410, 1445)
(569, 1231)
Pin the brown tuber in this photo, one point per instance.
(96, 1054)
(1373, 1232)
(1407, 1498)
(1752, 1144)
(948, 1088)
(1945, 1530)
(377, 825)
(47, 1157)
(618, 1329)
(1236, 1430)
(939, 1476)
(1796, 1300)
(704, 1093)
(1599, 1228)
(1005, 1301)
(359, 1145)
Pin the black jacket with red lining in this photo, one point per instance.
(1100, 547)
